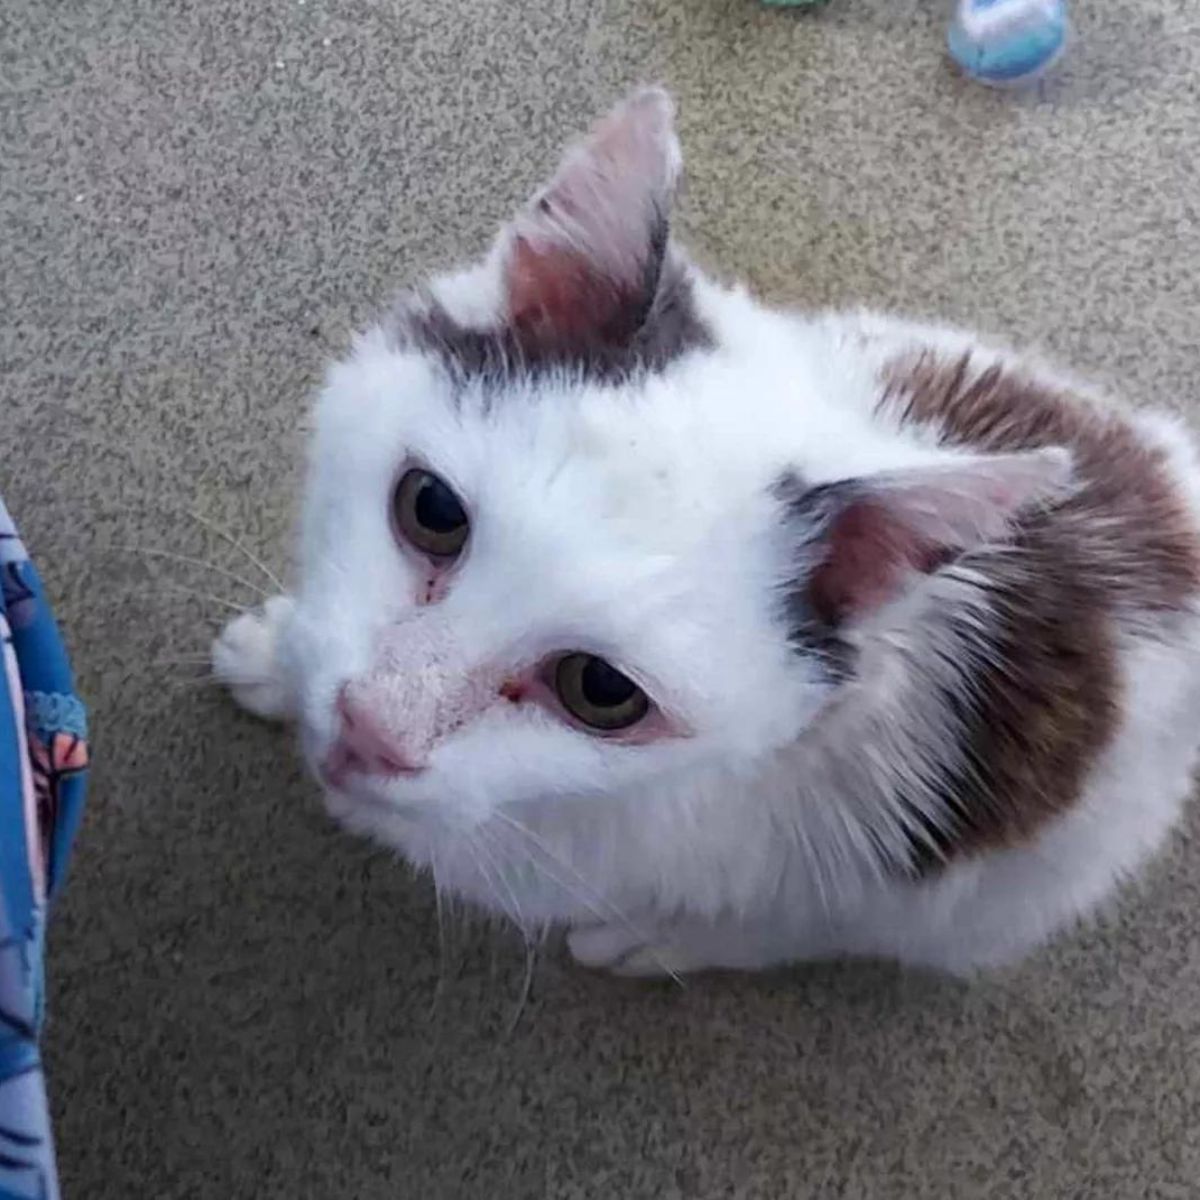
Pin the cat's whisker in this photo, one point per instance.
(596, 910)
(600, 913)
(239, 546)
(491, 874)
(188, 560)
(193, 682)
(612, 911)
(607, 913)
(223, 601)
(198, 664)
(498, 869)
(334, 565)
(526, 933)
(526, 988)
(486, 876)
(183, 511)
(440, 906)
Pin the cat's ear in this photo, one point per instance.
(865, 539)
(583, 261)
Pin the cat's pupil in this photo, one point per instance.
(605, 686)
(437, 508)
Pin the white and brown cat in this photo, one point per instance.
(722, 635)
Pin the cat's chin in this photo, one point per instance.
(361, 806)
(372, 816)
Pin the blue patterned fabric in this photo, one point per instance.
(43, 761)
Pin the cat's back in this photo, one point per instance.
(1083, 711)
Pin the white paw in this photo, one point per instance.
(245, 658)
(602, 945)
(657, 962)
(626, 951)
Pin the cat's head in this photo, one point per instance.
(555, 545)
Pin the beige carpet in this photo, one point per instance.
(197, 200)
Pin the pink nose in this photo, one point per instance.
(365, 746)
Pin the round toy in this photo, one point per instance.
(1006, 43)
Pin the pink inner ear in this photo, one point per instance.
(894, 525)
(869, 551)
(581, 262)
(556, 291)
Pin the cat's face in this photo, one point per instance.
(560, 590)
(578, 527)
(540, 552)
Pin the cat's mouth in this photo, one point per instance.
(356, 802)
(360, 788)
(350, 787)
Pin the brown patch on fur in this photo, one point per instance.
(1120, 550)
(1042, 703)
(1127, 515)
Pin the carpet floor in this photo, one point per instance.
(197, 203)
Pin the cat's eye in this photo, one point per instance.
(597, 694)
(429, 516)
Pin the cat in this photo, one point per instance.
(726, 636)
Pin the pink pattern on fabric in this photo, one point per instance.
(66, 754)
(37, 862)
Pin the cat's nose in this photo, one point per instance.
(365, 745)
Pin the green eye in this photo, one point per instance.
(429, 516)
(598, 694)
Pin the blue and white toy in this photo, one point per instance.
(1006, 43)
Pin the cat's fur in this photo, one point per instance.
(920, 617)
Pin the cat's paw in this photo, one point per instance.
(602, 945)
(624, 950)
(680, 947)
(658, 962)
(245, 658)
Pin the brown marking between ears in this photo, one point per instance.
(1121, 551)
(639, 333)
